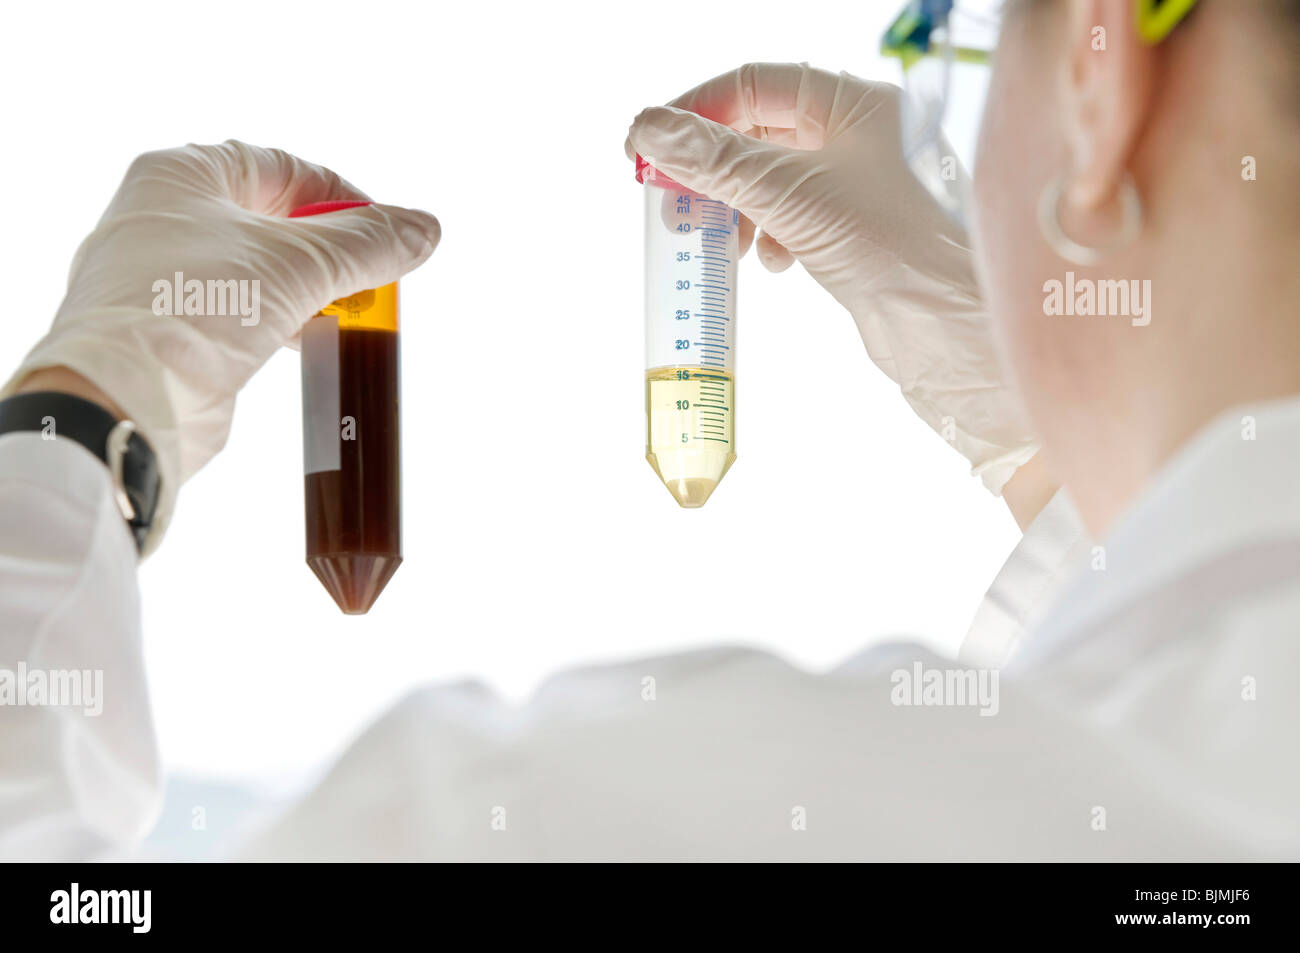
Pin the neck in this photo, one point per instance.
(1224, 332)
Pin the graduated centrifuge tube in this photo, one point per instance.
(350, 422)
(691, 253)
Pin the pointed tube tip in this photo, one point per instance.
(692, 492)
(354, 580)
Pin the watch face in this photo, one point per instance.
(143, 483)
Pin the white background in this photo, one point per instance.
(536, 536)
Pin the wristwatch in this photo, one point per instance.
(131, 462)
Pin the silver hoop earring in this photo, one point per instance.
(1049, 222)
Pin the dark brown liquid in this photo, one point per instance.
(354, 513)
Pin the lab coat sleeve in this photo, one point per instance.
(78, 779)
(1053, 546)
(732, 754)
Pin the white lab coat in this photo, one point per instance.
(1148, 707)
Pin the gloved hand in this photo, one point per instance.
(213, 213)
(815, 160)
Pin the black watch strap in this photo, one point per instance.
(131, 462)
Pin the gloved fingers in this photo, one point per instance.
(269, 181)
(275, 182)
(745, 235)
(774, 256)
(716, 160)
(358, 248)
(791, 104)
(794, 102)
(781, 137)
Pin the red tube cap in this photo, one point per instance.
(320, 208)
(647, 174)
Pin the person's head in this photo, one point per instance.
(1202, 129)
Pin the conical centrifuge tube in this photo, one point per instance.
(691, 253)
(350, 419)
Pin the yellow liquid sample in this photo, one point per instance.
(375, 309)
(690, 435)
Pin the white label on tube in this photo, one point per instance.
(321, 434)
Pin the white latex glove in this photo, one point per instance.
(815, 160)
(213, 212)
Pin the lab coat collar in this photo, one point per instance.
(1235, 484)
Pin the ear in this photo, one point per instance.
(1109, 82)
